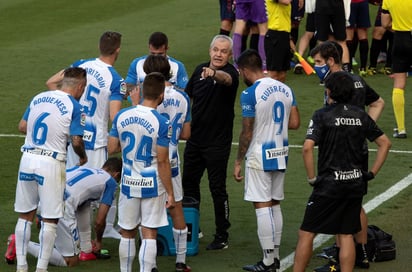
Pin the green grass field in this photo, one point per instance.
(41, 37)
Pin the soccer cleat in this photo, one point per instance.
(87, 256)
(327, 268)
(261, 267)
(399, 134)
(220, 242)
(386, 71)
(298, 69)
(361, 260)
(354, 62)
(371, 71)
(381, 57)
(363, 72)
(102, 254)
(10, 254)
(182, 267)
(154, 269)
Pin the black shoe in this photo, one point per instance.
(329, 267)
(182, 267)
(399, 135)
(154, 269)
(361, 260)
(261, 267)
(277, 263)
(220, 242)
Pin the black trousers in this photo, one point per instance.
(214, 159)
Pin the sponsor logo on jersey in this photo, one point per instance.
(141, 182)
(347, 175)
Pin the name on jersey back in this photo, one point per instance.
(52, 100)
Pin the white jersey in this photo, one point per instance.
(136, 74)
(85, 184)
(268, 101)
(104, 84)
(176, 108)
(140, 130)
(52, 117)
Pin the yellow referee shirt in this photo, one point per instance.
(279, 16)
(401, 13)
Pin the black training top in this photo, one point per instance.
(340, 131)
(212, 107)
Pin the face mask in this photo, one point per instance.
(322, 71)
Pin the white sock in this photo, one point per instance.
(23, 234)
(180, 237)
(147, 255)
(47, 236)
(85, 228)
(266, 233)
(127, 253)
(55, 259)
(277, 216)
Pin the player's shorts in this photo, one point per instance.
(177, 187)
(296, 13)
(261, 186)
(95, 158)
(149, 212)
(402, 51)
(310, 22)
(277, 49)
(359, 15)
(67, 240)
(332, 215)
(254, 11)
(226, 10)
(41, 179)
(336, 21)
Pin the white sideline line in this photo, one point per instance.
(287, 262)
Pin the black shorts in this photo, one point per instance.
(331, 23)
(402, 51)
(226, 10)
(277, 49)
(296, 13)
(310, 22)
(332, 215)
(359, 15)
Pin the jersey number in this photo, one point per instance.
(40, 129)
(144, 149)
(91, 100)
(278, 115)
(81, 175)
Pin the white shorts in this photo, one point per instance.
(67, 240)
(95, 158)
(148, 212)
(177, 187)
(41, 179)
(261, 186)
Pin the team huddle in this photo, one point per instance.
(73, 163)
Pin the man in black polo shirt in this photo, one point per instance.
(212, 89)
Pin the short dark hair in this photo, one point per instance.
(340, 85)
(157, 63)
(113, 164)
(73, 76)
(250, 59)
(327, 50)
(158, 39)
(153, 85)
(109, 42)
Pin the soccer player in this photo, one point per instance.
(212, 89)
(176, 108)
(227, 16)
(51, 118)
(263, 141)
(83, 185)
(396, 16)
(339, 131)
(142, 135)
(101, 100)
(158, 45)
(254, 11)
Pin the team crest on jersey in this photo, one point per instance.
(83, 119)
(123, 88)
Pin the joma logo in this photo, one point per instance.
(347, 122)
